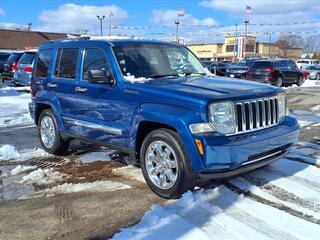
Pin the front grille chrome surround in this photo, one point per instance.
(256, 114)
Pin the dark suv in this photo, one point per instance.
(179, 123)
(11, 65)
(278, 72)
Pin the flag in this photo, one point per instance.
(248, 10)
(181, 12)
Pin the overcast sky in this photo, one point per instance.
(75, 16)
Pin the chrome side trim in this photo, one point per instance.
(82, 123)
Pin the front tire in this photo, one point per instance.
(165, 165)
(49, 135)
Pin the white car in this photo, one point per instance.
(302, 63)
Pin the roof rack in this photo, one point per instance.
(86, 37)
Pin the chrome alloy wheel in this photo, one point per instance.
(161, 164)
(47, 131)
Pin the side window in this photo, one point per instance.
(94, 59)
(66, 63)
(282, 64)
(43, 63)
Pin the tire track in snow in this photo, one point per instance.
(281, 193)
(253, 222)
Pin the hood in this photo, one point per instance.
(204, 89)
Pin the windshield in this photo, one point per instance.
(156, 61)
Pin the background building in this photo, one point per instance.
(237, 48)
(13, 40)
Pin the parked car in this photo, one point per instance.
(24, 68)
(312, 72)
(301, 63)
(278, 72)
(179, 125)
(240, 69)
(218, 68)
(11, 65)
(3, 58)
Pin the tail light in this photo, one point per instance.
(305, 74)
(14, 67)
(269, 70)
(28, 69)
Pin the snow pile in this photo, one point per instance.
(14, 108)
(8, 152)
(94, 156)
(306, 118)
(22, 169)
(311, 83)
(43, 177)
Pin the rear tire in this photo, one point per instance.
(49, 135)
(300, 81)
(279, 82)
(163, 158)
(318, 76)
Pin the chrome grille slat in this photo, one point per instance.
(256, 114)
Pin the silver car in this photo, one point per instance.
(313, 72)
(24, 69)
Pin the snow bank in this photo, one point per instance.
(8, 152)
(307, 83)
(14, 109)
(22, 169)
(94, 156)
(43, 177)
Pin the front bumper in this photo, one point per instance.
(226, 156)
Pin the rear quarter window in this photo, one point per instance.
(43, 63)
(27, 58)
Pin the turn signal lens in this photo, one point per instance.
(199, 146)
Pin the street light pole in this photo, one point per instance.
(100, 18)
(245, 37)
(269, 44)
(110, 16)
(177, 22)
(235, 43)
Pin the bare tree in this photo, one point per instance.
(287, 42)
(312, 44)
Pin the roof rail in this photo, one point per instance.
(73, 38)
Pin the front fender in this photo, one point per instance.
(47, 98)
(176, 117)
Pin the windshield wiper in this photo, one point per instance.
(197, 73)
(157, 75)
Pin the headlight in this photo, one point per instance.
(222, 117)
(282, 105)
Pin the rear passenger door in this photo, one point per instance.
(62, 86)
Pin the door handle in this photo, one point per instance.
(80, 89)
(52, 85)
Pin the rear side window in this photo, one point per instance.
(282, 64)
(4, 56)
(43, 63)
(66, 63)
(262, 65)
(94, 59)
(27, 58)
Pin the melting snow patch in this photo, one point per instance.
(130, 172)
(8, 152)
(22, 169)
(94, 156)
(43, 177)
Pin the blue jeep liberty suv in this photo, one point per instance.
(156, 101)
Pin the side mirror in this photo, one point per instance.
(100, 76)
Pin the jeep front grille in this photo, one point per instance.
(257, 114)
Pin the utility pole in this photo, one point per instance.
(177, 22)
(270, 44)
(100, 18)
(235, 43)
(110, 16)
(246, 22)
